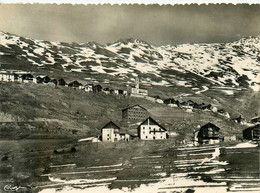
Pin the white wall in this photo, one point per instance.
(145, 133)
(108, 134)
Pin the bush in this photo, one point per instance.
(5, 158)
(73, 149)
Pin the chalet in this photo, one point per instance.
(252, 133)
(111, 132)
(75, 84)
(198, 106)
(97, 88)
(120, 91)
(172, 102)
(7, 77)
(89, 88)
(137, 91)
(190, 103)
(255, 120)
(106, 90)
(39, 80)
(27, 78)
(151, 130)
(208, 134)
(54, 81)
(159, 101)
(112, 91)
(62, 82)
(207, 107)
(46, 79)
(136, 112)
(239, 119)
(230, 138)
(16, 77)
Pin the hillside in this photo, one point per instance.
(234, 64)
(225, 76)
(49, 111)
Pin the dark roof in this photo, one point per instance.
(255, 120)
(210, 125)
(111, 124)
(254, 127)
(153, 121)
(134, 106)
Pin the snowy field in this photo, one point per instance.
(213, 168)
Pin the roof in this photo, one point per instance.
(255, 119)
(153, 121)
(253, 127)
(134, 106)
(110, 124)
(208, 125)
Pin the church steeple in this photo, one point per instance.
(137, 83)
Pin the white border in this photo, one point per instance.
(160, 2)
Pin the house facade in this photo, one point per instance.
(111, 132)
(136, 112)
(208, 134)
(151, 130)
(7, 77)
(252, 133)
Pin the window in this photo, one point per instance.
(144, 132)
(143, 127)
(146, 137)
(107, 134)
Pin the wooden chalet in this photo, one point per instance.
(97, 88)
(27, 78)
(252, 133)
(208, 134)
(62, 82)
(39, 80)
(46, 79)
(54, 81)
(151, 130)
(75, 84)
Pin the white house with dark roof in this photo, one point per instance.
(111, 132)
(151, 130)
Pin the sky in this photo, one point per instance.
(158, 25)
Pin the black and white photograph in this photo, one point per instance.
(129, 98)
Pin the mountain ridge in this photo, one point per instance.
(234, 64)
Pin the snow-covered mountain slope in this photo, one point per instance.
(233, 64)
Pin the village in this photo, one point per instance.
(147, 128)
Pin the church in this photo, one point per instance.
(137, 91)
